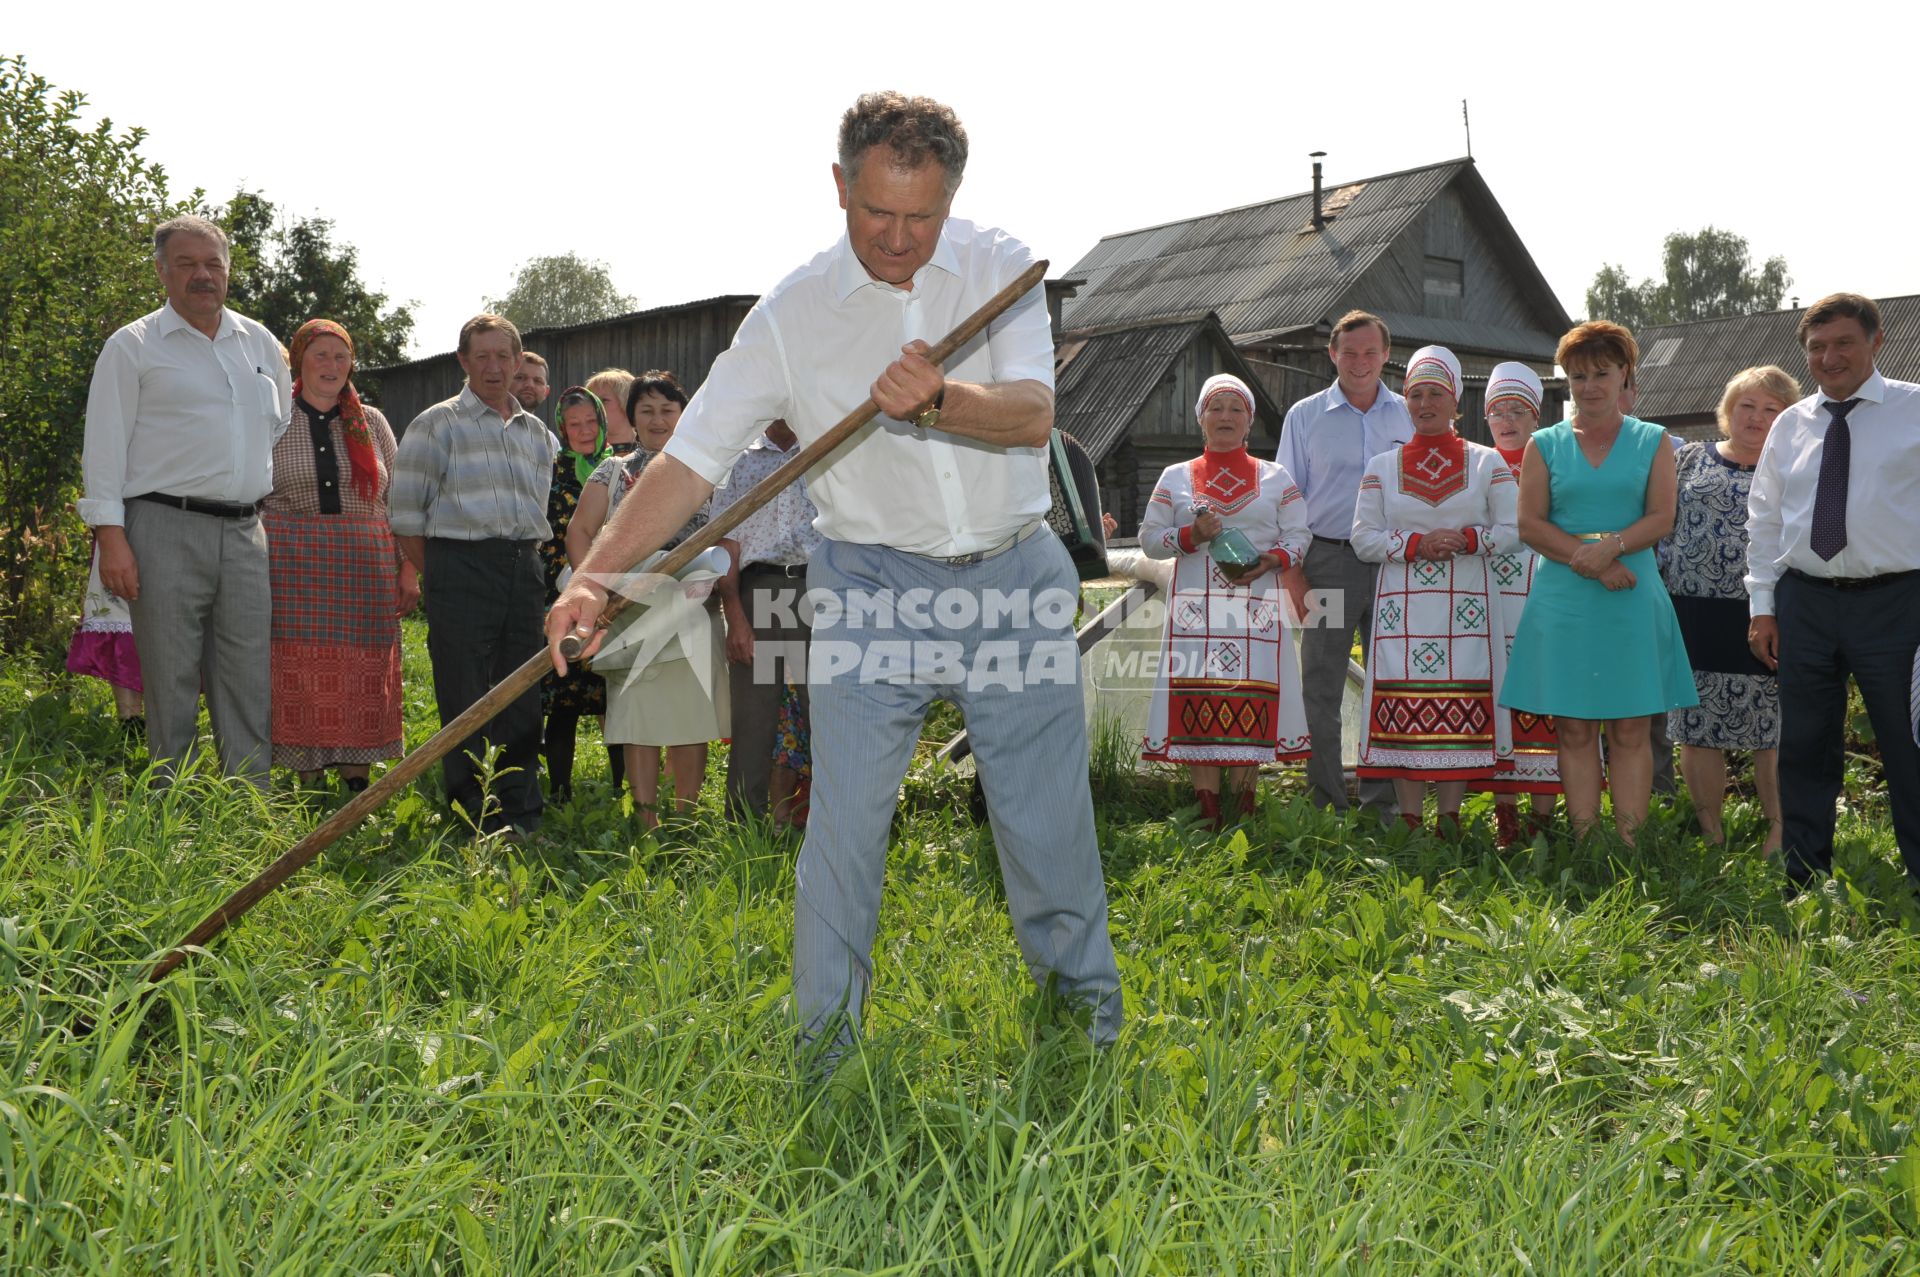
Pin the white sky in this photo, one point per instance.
(687, 145)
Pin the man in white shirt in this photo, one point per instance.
(766, 629)
(185, 408)
(1325, 444)
(931, 579)
(1833, 573)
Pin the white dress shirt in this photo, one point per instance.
(810, 351)
(1883, 490)
(1325, 444)
(174, 411)
(781, 532)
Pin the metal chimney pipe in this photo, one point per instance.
(1319, 218)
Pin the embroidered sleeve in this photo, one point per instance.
(1373, 540)
(1161, 534)
(1503, 501)
(1291, 545)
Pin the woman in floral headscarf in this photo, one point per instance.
(582, 421)
(340, 584)
(1430, 513)
(1228, 694)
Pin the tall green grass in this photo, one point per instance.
(1348, 1051)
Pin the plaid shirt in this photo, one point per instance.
(463, 474)
(296, 480)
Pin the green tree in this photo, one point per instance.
(289, 270)
(77, 211)
(1707, 275)
(553, 292)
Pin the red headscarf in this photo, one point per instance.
(353, 415)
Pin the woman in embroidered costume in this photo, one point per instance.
(1526, 750)
(1430, 513)
(340, 585)
(1228, 695)
(1598, 642)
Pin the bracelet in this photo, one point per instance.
(1621, 542)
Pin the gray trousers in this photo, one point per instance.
(773, 604)
(1347, 582)
(1029, 742)
(202, 622)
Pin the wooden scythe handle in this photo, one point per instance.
(482, 711)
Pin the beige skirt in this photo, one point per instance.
(667, 703)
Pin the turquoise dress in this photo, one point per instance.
(1582, 650)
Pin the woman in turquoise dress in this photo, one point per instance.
(1599, 643)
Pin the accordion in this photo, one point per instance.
(1074, 515)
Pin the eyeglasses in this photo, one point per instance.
(1507, 414)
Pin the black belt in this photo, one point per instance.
(194, 505)
(1332, 540)
(791, 571)
(1852, 582)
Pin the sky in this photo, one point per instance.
(688, 146)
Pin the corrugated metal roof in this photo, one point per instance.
(1252, 266)
(1262, 269)
(1688, 376)
(1104, 377)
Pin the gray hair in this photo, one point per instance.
(188, 224)
(915, 130)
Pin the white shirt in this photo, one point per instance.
(174, 411)
(1325, 444)
(810, 351)
(1883, 490)
(781, 532)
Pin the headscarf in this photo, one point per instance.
(364, 462)
(1436, 365)
(1215, 384)
(583, 464)
(1514, 381)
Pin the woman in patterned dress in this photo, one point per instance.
(583, 446)
(1527, 752)
(1705, 567)
(1430, 513)
(1598, 643)
(1228, 694)
(340, 584)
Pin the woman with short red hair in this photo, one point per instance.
(1598, 642)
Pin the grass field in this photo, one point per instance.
(1346, 1052)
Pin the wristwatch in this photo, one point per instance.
(929, 416)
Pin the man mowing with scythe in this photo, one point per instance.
(932, 580)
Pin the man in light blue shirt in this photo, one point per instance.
(1325, 445)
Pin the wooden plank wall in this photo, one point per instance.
(683, 340)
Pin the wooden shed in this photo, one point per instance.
(683, 339)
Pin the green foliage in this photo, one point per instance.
(77, 210)
(288, 270)
(1706, 275)
(1349, 1050)
(554, 292)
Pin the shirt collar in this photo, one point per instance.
(848, 276)
(763, 444)
(172, 320)
(1873, 390)
(1380, 396)
(473, 406)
